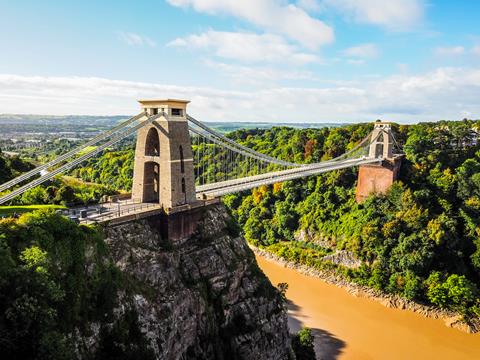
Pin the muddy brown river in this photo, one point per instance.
(348, 327)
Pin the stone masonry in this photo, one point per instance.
(163, 170)
(377, 178)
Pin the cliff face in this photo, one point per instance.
(199, 298)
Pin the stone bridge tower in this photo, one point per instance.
(163, 171)
(377, 178)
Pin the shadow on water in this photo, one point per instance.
(327, 345)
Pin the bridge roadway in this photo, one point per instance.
(109, 211)
(246, 183)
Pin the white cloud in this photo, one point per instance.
(245, 46)
(133, 39)
(443, 93)
(449, 51)
(476, 50)
(363, 51)
(398, 15)
(258, 75)
(273, 15)
(309, 5)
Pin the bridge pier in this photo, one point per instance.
(378, 178)
(181, 225)
(177, 225)
(163, 170)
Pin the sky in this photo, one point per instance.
(250, 60)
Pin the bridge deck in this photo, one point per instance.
(126, 209)
(247, 183)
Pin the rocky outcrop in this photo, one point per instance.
(199, 298)
(317, 238)
(344, 258)
(450, 318)
(339, 257)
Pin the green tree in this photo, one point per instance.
(469, 179)
(456, 292)
(65, 195)
(36, 195)
(303, 345)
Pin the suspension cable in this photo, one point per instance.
(78, 160)
(71, 153)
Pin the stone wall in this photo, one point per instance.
(198, 298)
(377, 178)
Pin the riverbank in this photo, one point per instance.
(450, 318)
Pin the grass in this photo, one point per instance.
(21, 209)
(87, 150)
(73, 181)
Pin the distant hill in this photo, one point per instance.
(105, 121)
(232, 126)
(15, 119)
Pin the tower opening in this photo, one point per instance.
(151, 181)
(177, 112)
(379, 145)
(182, 162)
(152, 143)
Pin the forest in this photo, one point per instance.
(421, 240)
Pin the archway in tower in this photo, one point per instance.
(151, 182)
(152, 143)
(379, 145)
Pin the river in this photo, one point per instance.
(349, 327)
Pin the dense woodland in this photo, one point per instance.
(421, 240)
(60, 191)
(114, 169)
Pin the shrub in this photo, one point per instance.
(303, 345)
(456, 292)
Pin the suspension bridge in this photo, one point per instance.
(180, 161)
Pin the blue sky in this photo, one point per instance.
(249, 60)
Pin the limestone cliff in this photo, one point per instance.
(198, 298)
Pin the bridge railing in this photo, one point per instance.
(119, 210)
